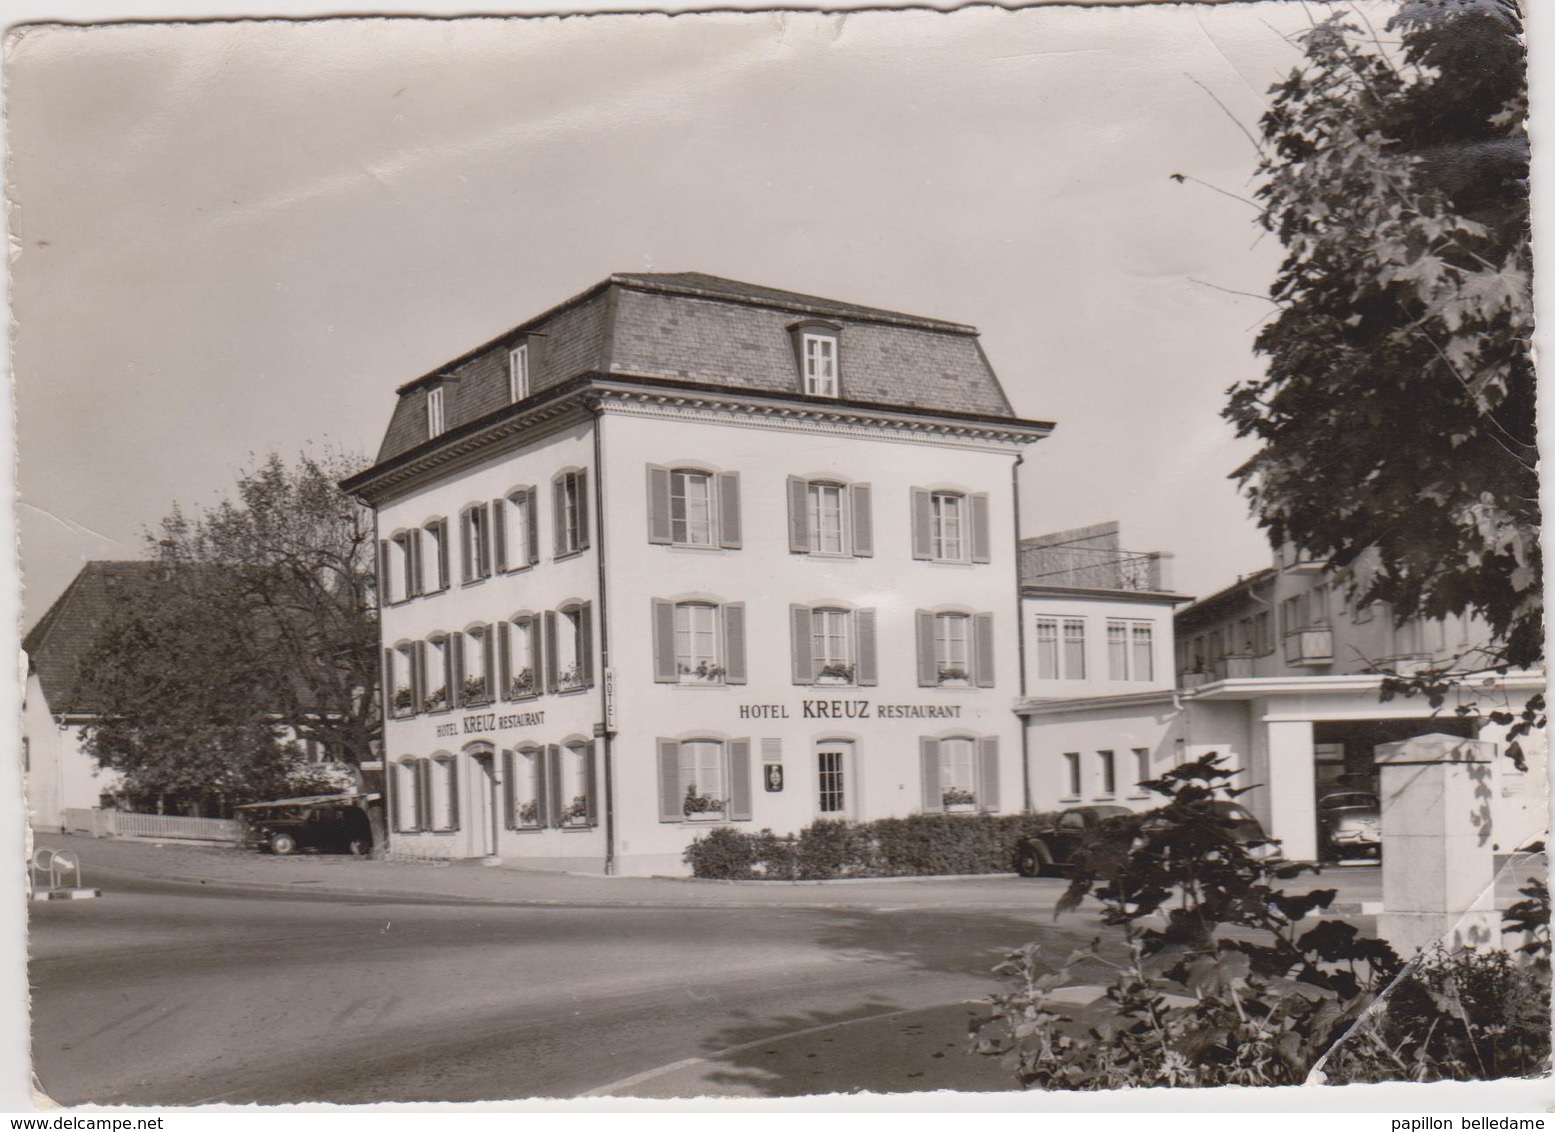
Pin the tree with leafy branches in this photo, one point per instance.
(258, 630)
(1396, 417)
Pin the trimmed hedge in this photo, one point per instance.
(921, 845)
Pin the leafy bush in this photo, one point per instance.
(921, 845)
(1220, 985)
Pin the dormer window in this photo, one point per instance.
(435, 411)
(817, 347)
(518, 372)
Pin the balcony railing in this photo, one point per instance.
(1310, 647)
(1097, 569)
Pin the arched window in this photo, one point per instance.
(960, 773)
(576, 778)
(407, 787)
(570, 504)
(436, 673)
(519, 648)
(443, 794)
(525, 777)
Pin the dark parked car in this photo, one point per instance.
(1050, 850)
(324, 828)
(1350, 825)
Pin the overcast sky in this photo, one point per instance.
(232, 238)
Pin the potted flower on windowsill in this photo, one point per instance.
(835, 674)
(528, 813)
(436, 701)
(474, 690)
(956, 800)
(953, 677)
(404, 701)
(703, 673)
(569, 678)
(702, 807)
(522, 684)
(577, 811)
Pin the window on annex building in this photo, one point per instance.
(516, 529)
(435, 425)
(698, 642)
(475, 542)
(1142, 773)
(955, 649)
(569, 647)
(830, 517)
(704, 779)
(950, 526)
(519, 657)
(693, 507)
(1071, 774)
(833, 646)
(569, 494)
(1106, 774)
(1131, 650)
(960, 774)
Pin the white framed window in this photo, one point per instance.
(955, 649)
(570, 495)
(952, 654)
(437, 674)
(819, 353)
(475, 542)
(691, 508)
(1072, 774)
(1131, 650)
(476, 666)
(1060, 648)
(831, 644)
(443, 795)
(830, 517)
(435, 426)
(525, 793)
(947, 516)
(1106, 774)
(704, 778)
(826, 522)
(958, 774)
(432, 567)
(833, 769)
(521, 667)
(696, 643)
(518, 372)
(1142, 773)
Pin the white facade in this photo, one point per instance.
(58, 774)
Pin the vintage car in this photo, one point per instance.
(295, 825)
(1350, 825)
(1051, 849)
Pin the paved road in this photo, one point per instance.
(164, 994)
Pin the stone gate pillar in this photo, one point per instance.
(1438, 864)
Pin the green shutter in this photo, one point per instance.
(734, 642)
(670, 801)
(664, 668)
(802, 644)
(739, 780)
(798, 516)
(863, 520)
(933, 783)
(981, 550)
(988, 774)
(982, 649)
(922, 525)
(729, 510)
(660, 530)
(865, 669)
(928, 663)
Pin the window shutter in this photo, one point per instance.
(739, 780)
(798, 516)
(550, 650)
(418, 677)
(863, 521)
(455, 653)
(391, 795)
(928, 663)
(485, 541)
(669, 781)
(933, 784)
(803, 645)
(664, 668)
(537, 651)
(489, 665)
(442, 554)
(590, 783)
(423, 794)
(542, 786)
(499, 533)
(509, 797)
(385, 593)
(504, 661)
(729, 510)
(558, 516)
(388, 682)
(988, 774)
(553, 779)
(586, 643)
(415, 583)
(660, 531)
(734, 642)
(980, 535)
(532, 536)
(982, 649)
(865, 670)
(451, 769)
(583, 510)
(922, 525)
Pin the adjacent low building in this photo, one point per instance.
(682, 552)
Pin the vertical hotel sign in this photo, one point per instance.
(610, 700)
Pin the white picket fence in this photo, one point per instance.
(117, 823)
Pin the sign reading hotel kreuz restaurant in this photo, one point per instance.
(481, 722)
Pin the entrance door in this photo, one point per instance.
(834, 780)
(483, 805)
